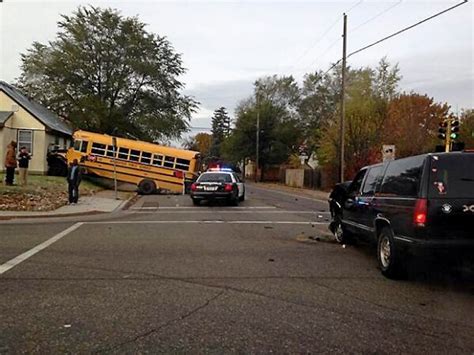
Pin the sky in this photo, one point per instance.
(227, 45)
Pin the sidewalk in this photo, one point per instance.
(316, 194)
(102, 202)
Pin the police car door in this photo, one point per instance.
(240, 185)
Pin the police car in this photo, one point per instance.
(218, 184)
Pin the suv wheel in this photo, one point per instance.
(341, 235)
(389, 257)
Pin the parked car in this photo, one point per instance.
(218, 184)
(418, 203)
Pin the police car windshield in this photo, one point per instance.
(452, 176)
(215, 177)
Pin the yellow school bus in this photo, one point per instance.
(151, 167)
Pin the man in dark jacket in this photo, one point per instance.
(10, 163)
(74, 176)
(23, 162)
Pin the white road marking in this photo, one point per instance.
(227, 212)
(211, 209)
(28, 254)
(208, 222)
(288, 194)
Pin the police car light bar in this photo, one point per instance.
(220, 169)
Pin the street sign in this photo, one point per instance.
(388, 152)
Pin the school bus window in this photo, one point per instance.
(123, 153)
(146, 158)
(110, 151)
(169, 162)
(182, 164)
(77, 145)
(84, 146)
(134, 155)
(158, 160)
(98, 148)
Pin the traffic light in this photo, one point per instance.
(442, 129)
(454, 129)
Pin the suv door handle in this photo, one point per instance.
(349, 203)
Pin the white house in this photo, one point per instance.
(30, 125)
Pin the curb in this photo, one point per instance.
(92, 212)
(121, 206)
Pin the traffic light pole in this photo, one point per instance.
(257, 141)
(447, 146)
(343, 102)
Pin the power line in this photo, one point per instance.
(325, 33)
(395, 34)
(406, 29)
(317, 42)
(375, 17)
(354, 6)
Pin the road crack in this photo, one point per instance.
(164, 325)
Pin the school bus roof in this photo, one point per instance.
(134, 144)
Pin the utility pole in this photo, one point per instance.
(447, 142)
(257, 138)
(343, 101)
(114, 144)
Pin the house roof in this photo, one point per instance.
(4, 116)
(41, 113)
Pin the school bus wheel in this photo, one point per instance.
(146, 187)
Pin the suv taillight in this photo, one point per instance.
(228, 187)
(193, 186)
(421, 210)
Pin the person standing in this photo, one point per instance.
(74, 176)
(23, 161)
(10, 163)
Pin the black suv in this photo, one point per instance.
(416, 203)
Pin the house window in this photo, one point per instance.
(25, 139)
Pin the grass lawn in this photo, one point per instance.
(43, 193)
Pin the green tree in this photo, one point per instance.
(277, 135)
(105, 72)
(281, 91)
(318, 106)
(220, 130)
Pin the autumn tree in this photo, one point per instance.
(106, 72)
(466, 132)
(200, 142)
(367, 94)
(412, 124)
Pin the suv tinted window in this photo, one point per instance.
(374, 177)
(402, 177)
(452, 176)
(357, 182)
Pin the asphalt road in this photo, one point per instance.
(167, 276)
